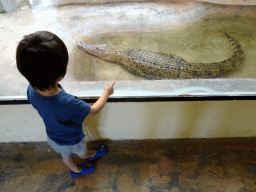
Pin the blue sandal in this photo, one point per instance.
(102, 149)
(87, 168)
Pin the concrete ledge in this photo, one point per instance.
(157, 90)
(227, 2)
(37, 3)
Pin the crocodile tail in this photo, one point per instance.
(218, 69)
(235, 61)
(238, 54)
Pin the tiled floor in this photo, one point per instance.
(187, 165)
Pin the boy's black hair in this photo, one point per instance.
(42, 58)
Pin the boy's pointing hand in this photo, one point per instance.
(109, 89)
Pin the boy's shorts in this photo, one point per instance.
(66, 150)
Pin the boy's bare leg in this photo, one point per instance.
(69, 161)
(89, 153)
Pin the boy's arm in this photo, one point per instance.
(96, 107)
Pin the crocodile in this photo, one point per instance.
(152, 65)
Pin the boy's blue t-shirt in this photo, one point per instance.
(63, 115)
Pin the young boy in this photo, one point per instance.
(42, 58)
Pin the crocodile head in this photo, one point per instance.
(99, 50)
(94, 49)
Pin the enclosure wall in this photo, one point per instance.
(145, 120)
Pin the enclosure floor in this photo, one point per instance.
(152, 165)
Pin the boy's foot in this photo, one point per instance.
(87, 168)
(101, 150)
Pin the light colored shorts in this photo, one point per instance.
(66, 150)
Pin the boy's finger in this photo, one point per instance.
(113, 83)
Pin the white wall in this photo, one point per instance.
(151, 120)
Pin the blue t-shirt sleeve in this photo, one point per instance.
(79, 110)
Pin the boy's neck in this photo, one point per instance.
(49, 93)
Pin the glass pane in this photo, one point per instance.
(165, 48)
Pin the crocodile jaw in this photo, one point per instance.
(94, 49)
